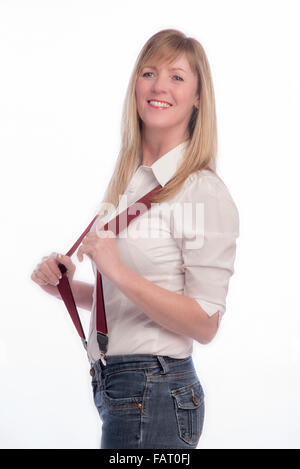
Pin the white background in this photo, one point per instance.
(65, 67)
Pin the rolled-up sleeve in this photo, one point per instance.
(208, 242)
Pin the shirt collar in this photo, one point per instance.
(166, 165)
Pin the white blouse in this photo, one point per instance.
(186, 245)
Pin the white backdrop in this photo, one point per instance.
(65, 67)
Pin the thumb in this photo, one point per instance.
(66, 260)
(69, 265)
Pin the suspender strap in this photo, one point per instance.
(64, 285)
(65, 289)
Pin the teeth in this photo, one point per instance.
(159, 104)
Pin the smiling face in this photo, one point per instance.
(166, 95)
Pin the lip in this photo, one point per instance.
(161, 101)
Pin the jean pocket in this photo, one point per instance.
(189, 408)
(95, 386)
(124, 390)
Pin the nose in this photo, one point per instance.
(160, 84)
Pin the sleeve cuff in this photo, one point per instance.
(211, 308)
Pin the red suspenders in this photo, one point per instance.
(64, 286)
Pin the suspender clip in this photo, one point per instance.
(102, 358)
(84, 343)
(102, 340)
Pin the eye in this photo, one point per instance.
(177, 76)
(180, 79)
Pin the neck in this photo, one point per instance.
(156, 145)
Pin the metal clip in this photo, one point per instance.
(194, 398)
(137, 403)
(84, 343)
(102, 358)
(102, 340)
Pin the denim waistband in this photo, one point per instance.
(143, 357)
(140, 361)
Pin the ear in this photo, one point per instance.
(197, 103)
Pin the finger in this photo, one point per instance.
(53, 266)
(80, 253)
(106, 234)
(100, 229)
(39, 278)
(89, 237)
(46, 270)
(111, 234)
(83, 250)
(100, 225)
(65, 260)
(53, 254)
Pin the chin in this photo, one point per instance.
(158, 122)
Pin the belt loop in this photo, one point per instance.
(163, 363)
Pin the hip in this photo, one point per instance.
(158, 394)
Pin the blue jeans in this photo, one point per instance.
(148, 401)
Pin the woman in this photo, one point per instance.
(165, 278)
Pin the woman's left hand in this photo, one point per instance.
(101, 247)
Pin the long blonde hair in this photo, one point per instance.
(201, 151)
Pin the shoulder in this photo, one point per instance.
(206, 183)
(208, 188)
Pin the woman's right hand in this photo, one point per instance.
(47, 271)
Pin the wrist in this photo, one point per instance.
(118, 274)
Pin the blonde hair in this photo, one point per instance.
(200, 153)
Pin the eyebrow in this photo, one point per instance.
(172, 68)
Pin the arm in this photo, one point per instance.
(82, 292)
(178, 313)
(208, 266)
